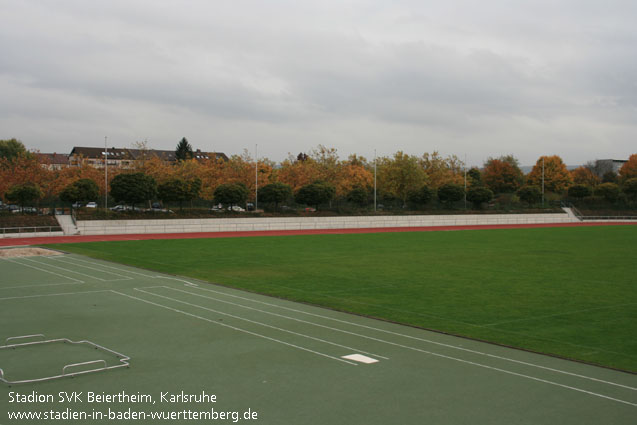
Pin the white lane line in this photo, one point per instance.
(43, 270)
(395, 334)
(60, 260)
(234, 328)
(53, 295)
(259, 323)
(423, 340)
(76, 272)
(111, 267)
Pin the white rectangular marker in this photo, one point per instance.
(360, 358)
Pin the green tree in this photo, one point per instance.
(183, 150)
(174, 190)
(630, 188)
(579, 191)
(358, 196)
(276, 193)
(610, 177)
(133, 188)
(231, 194)
(474, 177)
(23, 194)
(83, 190)
(400, 175)
(609, 191)
(12, 148)
(530, 194)
(316, 193)
(478, 195)
(450, 193)
(421, 196)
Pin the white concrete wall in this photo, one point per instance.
(30, 234)
(110, 227)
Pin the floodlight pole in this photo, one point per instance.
(374, 180)
(256, 178)
(105, 173)
(542, 182)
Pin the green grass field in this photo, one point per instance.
(571, 292)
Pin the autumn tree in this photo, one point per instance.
(297, 173)
(441, 170)
(629, 169)
(400, 175)
(556, 177)
(584, 175)
(503, 174)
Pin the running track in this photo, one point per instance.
(145, 236)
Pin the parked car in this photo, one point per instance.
(163, 210)
(310, 209)
(120, 208)
(77, 205)
(216, 208)
(91, 205)
(235, 208)
(250, 206)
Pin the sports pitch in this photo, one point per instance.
(281, 360)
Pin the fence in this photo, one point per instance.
(13, 231)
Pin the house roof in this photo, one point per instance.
(53, 158)
(125, 153)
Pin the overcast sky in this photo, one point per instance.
(467, 77)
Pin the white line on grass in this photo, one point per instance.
(409, 337)
(255, 322)
(234, 328)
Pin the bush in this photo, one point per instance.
(530, 194)
(609, 191)
(421, 196)
(450, 193)
(276, 193)
(358, 196)
(315, 194)
(579, 191)
(630, 188)
(83, 190)
(231, 194)
(479, 195)
(133, 188)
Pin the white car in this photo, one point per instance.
(235, 208)
(91, 205)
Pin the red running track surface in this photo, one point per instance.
(135, 237)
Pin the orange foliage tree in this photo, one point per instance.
(502, 175)
(400, 175)
(583, 175)
(629, 169)
(556, 176)
(441, 171)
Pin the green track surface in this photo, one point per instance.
(279, 359)
(570, 292)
